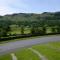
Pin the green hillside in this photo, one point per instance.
(30, 22)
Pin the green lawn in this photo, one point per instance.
(54, 44)
(5, 57)
(26, 54)
(49, 50)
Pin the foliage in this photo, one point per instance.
(33, 21)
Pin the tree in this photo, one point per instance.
(44, 30)
(53, 30)
(22, 29)
(4, 28)
(58, 29)
(32, 30)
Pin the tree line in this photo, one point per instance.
(37, 23)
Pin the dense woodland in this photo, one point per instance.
(36, 23)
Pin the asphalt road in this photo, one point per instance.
(11, 46)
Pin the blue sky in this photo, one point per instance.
(28, 6)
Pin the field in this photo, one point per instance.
(15, 29)
(50, 51)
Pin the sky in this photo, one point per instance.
(28, 6)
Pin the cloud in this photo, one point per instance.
(35, 6)
(4, 7)
(11, 6)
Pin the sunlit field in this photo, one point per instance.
(17, 30)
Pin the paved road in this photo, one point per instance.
(11, 46)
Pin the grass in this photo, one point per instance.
(5, 57)
(26, 54)
(23, 54)
(54, 44)
(47, 51)
(48, 30)
(17, 30)
(44, 49)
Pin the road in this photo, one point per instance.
(11, 46)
